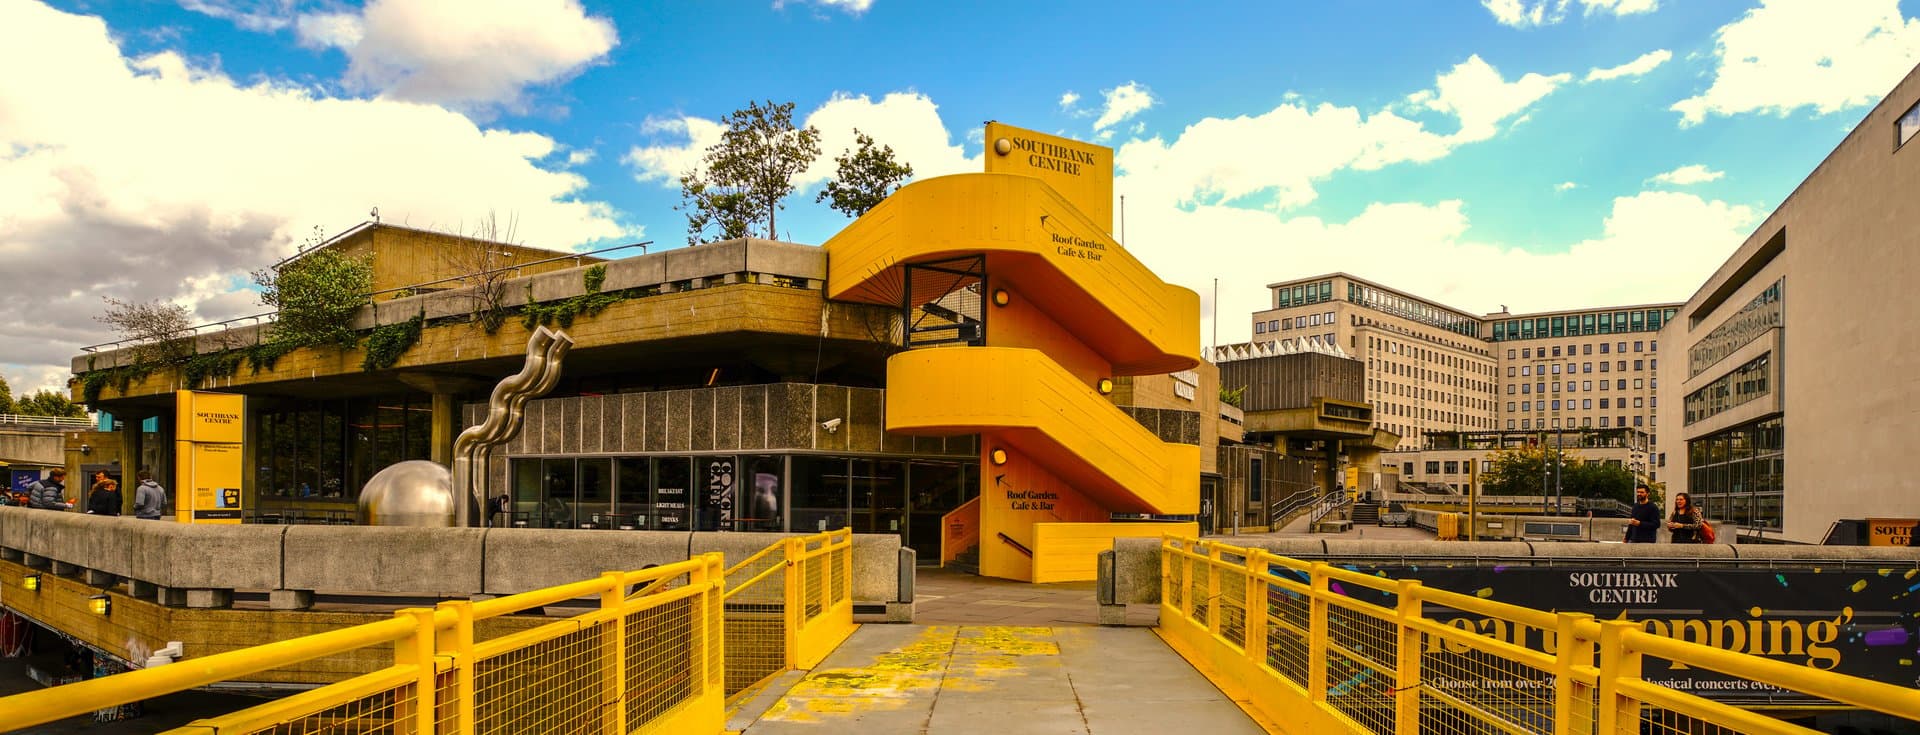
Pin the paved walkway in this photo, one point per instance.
(1004, 680)
(944, 596)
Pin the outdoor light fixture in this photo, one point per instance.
(100, 604)
(1000, 297)
(30, 583)
(999, 456)
(1106, 386)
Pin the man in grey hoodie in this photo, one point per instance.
(149, 498)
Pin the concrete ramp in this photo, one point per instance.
(940, 679)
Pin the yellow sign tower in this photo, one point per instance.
(209, 431)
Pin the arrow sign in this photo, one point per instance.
(1000, 479)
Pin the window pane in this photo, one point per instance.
(820, 493)
(1910, 123)
(633, 491)
(595, 500)
(671, 478)
(759, 507)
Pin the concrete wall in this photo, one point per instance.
(427, 562)
(39, 447)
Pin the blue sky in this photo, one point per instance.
(1537, 154)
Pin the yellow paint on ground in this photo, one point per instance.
(942, 657)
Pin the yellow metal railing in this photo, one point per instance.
(1324, 649)
(646, 660)
(787, 607)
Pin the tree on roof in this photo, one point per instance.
(745, 176)
(864, 177)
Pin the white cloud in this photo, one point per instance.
(1529, 13)
(469, 53)
(1068, 99)
(1123, 102)
(1788, 54)
(1284, 150)
(1637, 67)
(850, 7)
(147, 179)
(1688, 175)
(907, 121)
(264, 16)
(1565, 186)
(580, 157)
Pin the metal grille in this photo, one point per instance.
(1233, 605)
(756, 611)
(553, 686)
(1288, 610)
(664, 664)
(378, 713)
(1360, 675)
(1471, 690)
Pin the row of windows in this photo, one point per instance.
(1585, 385)
(1746, 383)
(1529, 353)
(1738, 476)
(1764, 312)
(1390, 303)
(1586, 422)
(1475, 347)
(1276, 325)
(1380, 387)
(1585, 404)
(1617, 365)
(1307, 293)
(1424, 354)
(1648, 320)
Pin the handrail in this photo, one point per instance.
(194, 331)
(54, 703)
(946, 524)
(28, 420)
(1293, 503)
(1329, 503)
(1008, 540)
(1268, 630)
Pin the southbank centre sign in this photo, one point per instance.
(1081, 172)
(1857, 620)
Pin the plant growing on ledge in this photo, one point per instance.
(317, 295)
(388, 342)
(591, 302)
(1234, 396)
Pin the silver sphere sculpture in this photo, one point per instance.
(411, 493)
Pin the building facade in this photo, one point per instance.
(1797, 394)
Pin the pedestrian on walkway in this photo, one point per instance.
(149, 499)
(1685, 523)
(105, 499)
(1644, 526)
(50, 493)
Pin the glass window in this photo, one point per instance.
(1259, 327)
(633, 492)
(593, 504)
(672, 482)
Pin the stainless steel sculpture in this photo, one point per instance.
(411, 493)
(473, 449)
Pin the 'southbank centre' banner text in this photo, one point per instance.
(1855, 621)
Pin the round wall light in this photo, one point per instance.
(1003, 146)
(1106, 386)
(1001, 297)
(999, 456)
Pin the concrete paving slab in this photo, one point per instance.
(1005, 680)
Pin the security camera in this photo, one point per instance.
(86, 449)
(831, 425)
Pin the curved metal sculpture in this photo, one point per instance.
(473, 449)
(411, 493)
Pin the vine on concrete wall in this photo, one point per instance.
(388, 342)
(563, 311)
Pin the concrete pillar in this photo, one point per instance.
(209, 599)
(131, 441)
(446, 427)
(97, 578)
(63, 569)
(141, 590)
(170, 596)
(290, 599)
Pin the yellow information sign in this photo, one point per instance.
(1081, 172)
(210, 430)
(1891, 531)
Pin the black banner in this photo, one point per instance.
(1856, 621)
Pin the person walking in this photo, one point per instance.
(105, 499)
(1685, 522)
(149, 499)
(50, 493)
(1644, 526)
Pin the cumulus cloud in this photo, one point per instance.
(1122, 102)
(1789, 54)
(1637, 67)
(850, 7)
(469, 53)
(1284, 150)
(147, 178)
(907, 121)
(1688, 175)
(1530, 13)
(1565, 186)
(263, 16)
(1067, 100)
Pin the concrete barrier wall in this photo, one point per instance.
(428, 562)
(1132, 575)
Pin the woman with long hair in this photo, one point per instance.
(1685, 522)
